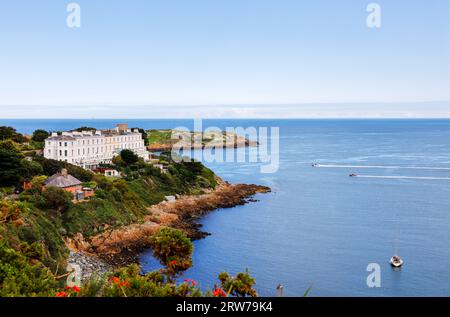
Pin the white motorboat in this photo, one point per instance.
(396, 261)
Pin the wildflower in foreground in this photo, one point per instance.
(61, 294)
(218, 292)
(189, 280)
(123, 283)
(76, 289)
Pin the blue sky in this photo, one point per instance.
(224, 56)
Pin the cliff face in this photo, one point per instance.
(121, 246)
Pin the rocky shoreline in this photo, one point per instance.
(121, 246)
(90, 265)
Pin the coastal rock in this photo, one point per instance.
(121, 246)
(90, 265)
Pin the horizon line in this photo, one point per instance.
(231, 118)
(248, 104)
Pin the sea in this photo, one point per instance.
(320, 229)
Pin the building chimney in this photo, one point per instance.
(123, 127)
(54, 133)
(64, 172)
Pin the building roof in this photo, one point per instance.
(62, 180)
(121, 129)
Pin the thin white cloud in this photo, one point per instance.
(312, 111)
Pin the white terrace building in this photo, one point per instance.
(90, 148)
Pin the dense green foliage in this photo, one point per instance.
(40, 135)
(34, 222)
(10, 168)
(56, 199)
(22, 273)
(173, 249)
(129, 157)
(241, 285)
(9, 133)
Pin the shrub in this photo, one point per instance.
(57, 199)
(173, 249)
(30, 169)
(18, 277)
(241, 285)
(10, 168)
(40, 135)
(129, 157)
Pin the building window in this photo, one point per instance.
(65, 153)
(60, 152)
(65, 143)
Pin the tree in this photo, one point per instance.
(117, 160)
(11, 133)
(129, 157)
(38, 182)
(53, 166)
(40, 135)
(173, 249)
(85, 129)
(10, 146)
(7, 132)
(57, 199)
(10, 168)
(30, 169)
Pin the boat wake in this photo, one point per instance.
(382, 167)
(401, 177)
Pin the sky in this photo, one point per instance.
(224, 58)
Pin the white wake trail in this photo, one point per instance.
(403, 177)
(383, 167)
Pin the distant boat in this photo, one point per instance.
(353, 175)
(396, 261)
(315, 165)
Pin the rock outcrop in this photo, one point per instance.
(121, 246)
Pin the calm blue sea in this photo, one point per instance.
(320, 227)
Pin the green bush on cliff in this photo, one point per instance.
(241, 285)
(173, 249)
(22, 223)
(23, 276)
(56, 199)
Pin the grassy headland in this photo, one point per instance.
(164, 140)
